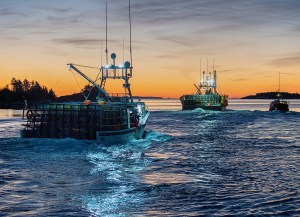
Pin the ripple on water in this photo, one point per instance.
(193, 163)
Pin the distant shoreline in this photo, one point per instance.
(148, 97)
(78, 98)
(273, 95)
(19, 105)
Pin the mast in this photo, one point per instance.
(113, 71)
(215, 81)
(123, 49)
(215, 77)
(279, 83)
(207, 66)
(103, 79)
(106, 51)
(130, 35)
(200, 71)
(101, 54)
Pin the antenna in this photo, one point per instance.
(123, 49)
(279, 83)
(101, 54)
(106, 51)
(200, 70)
(130, 34)
(214, 65)
(207, 65)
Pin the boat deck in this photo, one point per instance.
(77, 120)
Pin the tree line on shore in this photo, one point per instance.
(31, 91)
(13, 95)
(273, 95)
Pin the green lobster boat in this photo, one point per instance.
(206, 96)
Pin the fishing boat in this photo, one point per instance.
(279, 104)
(110, 118)
(206, 97)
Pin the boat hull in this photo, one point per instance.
(206, 102)
(279, 106)
(195, 106)
(122, 136)
(103, 137)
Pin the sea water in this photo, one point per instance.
(245, 161)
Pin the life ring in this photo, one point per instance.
(29, 114)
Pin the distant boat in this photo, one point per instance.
(279, 104)
(206, 96)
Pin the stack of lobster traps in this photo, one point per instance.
(77, 121)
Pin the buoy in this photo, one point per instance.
(87, 102)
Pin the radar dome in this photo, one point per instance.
(113, 56)
(127, 64)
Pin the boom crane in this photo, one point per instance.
(87, 78)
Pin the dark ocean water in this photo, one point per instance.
(192, 163)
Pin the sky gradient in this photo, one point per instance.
(250, 41)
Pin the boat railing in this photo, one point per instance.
(117, 94)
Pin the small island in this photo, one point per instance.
(273, 95)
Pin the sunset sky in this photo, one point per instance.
(251, 41)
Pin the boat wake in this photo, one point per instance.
(213, 157)
(157, 137)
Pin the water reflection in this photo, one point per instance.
(201, 163)
(158, 178)
(9, 113)
(166, 155)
